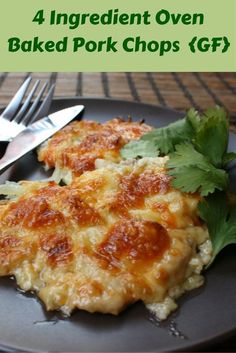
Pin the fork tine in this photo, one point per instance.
(26, 103)
(14, 104)
(44, 107)
(33, 108)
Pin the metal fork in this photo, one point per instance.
(17, 116)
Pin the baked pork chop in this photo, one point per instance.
(75, 148)
(114, 236)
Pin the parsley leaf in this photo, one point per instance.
(164, 139)
(212, 136)
(140, 149)
(197, 147)
(192, 171)
(220, 218)
(167, 137)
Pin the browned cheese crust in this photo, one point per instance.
(78, 145)
(116, 235)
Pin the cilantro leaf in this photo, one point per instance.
(193, 118)
(192, 179)
(192, 171)
(220, 219)
(209, 135)
(180, 131)
(198, 150)
(184, 155)
(140, 149)
(164, 139)
(212, 136)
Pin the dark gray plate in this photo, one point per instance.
(205, 315)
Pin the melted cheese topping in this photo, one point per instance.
(78, 145)
(114, 236)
